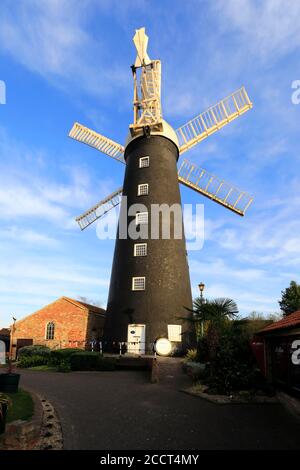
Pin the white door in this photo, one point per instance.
(136, 339)
(2, 352)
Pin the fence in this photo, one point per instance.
(115, 347)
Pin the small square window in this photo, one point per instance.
(144, 162)
(174, 333)
(138, 283)
(141, 218)
(143, 189)
(140, 249)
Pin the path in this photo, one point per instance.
(123, 410)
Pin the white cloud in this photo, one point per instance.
(55, 272)
(28, 236)
(28, 190)
(52, 39)
(20, 201)
(217, 268)
(31, 282)
(269, 28)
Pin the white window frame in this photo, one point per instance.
(143, 160)
(50, 326)
(141, 188)
(139, 245)
(140, 215)
(175, 336)
(138, 288)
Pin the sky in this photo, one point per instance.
(64, 61)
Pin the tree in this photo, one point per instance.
(214, 313)
(290, 299)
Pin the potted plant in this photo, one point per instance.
(9, 381)
(4, 405)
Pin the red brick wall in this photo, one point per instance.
(70, 325)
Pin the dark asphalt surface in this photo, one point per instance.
(123, 410)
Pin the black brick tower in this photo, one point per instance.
(167, 288)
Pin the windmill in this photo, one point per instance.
(150, 284)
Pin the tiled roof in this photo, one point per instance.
(287, 322)
(91, 308)
(4, 331)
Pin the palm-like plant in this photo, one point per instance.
(214, 313)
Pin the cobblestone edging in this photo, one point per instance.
(42, 431)
(51, 437)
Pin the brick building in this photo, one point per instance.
(63, 323)
(277, 349)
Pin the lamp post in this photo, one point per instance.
(201, 289)
(11, 337)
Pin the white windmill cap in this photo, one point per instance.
(167, 132)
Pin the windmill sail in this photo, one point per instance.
(140, 40)
(100, 209)
(97, 141)
(214, 188)
(213, 119)
(191, 176)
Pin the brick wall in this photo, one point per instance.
(70, 325)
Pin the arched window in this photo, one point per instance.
(50, 330)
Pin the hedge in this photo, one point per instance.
(63, 355)
(34, 350)
(32, 361)
(91, 361)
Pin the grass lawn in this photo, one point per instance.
(44, 367)
(22, 406)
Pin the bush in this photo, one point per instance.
(32, 361)
(91, 361)
(63, 355)
(196, 370)
(34, 350)
(191, 355)
(64, 366)
(234, 367)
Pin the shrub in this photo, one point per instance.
(91, 361)
(32, 361)
(234, 367)
(63, 355)
(196, 370)
(5, 403)
(191, 355)
(63, 366)
(34, 350)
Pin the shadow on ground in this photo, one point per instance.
(123, 410)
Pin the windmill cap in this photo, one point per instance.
(167, 132)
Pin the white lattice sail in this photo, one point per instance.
(97, 141)
(214, 188)
(100, 209)
(213, 119)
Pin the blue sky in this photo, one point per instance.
(65, 61)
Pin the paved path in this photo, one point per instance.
(123, 410)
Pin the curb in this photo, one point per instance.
(42, 432)
(292, 404)
(225, 400)
(24, 435)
